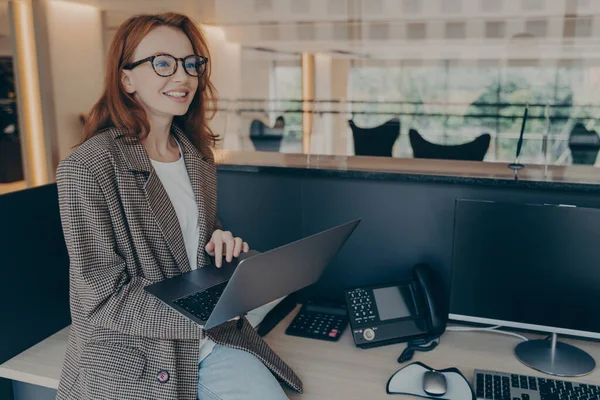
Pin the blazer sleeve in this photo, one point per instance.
(110, 296)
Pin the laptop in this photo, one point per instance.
(211, 296)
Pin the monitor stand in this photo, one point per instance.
(555, 358)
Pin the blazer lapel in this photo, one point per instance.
(197, 171)
(157, 198)
(165, 215)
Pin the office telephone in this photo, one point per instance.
(392, 313)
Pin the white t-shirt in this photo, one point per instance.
(176, 181)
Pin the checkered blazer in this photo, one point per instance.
(122, 234)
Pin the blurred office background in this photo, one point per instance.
(389, 78)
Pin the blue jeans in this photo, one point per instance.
(232, 374)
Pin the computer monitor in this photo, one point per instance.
(530, 266)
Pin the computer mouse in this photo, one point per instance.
(434, 383)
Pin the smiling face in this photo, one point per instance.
(161, 97)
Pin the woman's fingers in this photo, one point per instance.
(229, 244)
(210, 248)
(237, 248)
(223, 244)
(218, 242)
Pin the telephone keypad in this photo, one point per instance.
(361, 305)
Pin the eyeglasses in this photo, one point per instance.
(166, 65)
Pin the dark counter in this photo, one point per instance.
(420, 178)
(566, 178)
(407, 217)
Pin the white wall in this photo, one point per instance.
(225, 62)
(256, 79)
(5, 39)
(5, 46)
(77, 63)
(225, 59)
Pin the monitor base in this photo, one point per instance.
(555, 358)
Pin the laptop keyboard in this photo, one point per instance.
(201, 304)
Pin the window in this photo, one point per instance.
(453, 102)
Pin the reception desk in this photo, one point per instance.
(406, 209)
(329, 370)
(483, 173)
(406, 205)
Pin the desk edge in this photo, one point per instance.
(26, 377)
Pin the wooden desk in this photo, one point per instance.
(41, 364)
(330, 370)
(340, 370)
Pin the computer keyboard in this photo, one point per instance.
(201, 304)
(504, 386)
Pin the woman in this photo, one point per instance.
(138, 205)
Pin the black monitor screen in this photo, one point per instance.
(527, 264)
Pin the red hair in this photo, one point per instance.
(117, 108)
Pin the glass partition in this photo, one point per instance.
(390, 79)
(451, 74)
(450, 102)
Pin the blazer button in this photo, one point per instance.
(163, 376)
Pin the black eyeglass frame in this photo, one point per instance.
(151, 59)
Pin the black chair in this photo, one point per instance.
(265, 138)
(376, 141)
(584, 145)
(472, 151)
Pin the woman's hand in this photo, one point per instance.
(222, 243)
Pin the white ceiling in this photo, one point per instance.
(249, 12)
(389, 29)
(397, 29)
(201, 10)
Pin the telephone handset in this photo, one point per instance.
(436, 300)
(392, 313)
